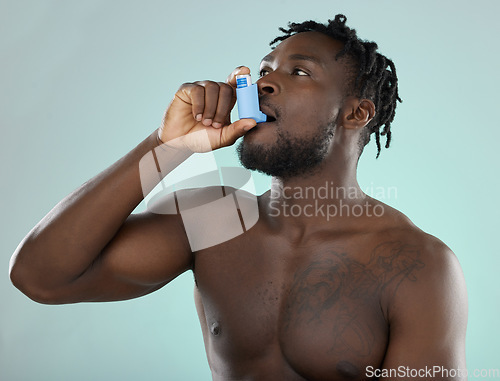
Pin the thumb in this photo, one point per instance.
(231, 133)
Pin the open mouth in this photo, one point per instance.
(269, 111)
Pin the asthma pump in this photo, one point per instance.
(248, 99)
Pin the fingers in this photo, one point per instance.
(211, 102)
(231, 79)
(224, 106)
(195, 96)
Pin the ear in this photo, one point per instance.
(356, 113)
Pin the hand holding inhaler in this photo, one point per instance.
(204, 106)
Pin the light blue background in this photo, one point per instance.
(83, 82)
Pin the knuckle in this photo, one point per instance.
(226, 90)
(186, 85)
(211, 85)
(191, 89)
(197, 91)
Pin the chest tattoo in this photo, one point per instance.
(335, 292)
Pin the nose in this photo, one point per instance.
(267, 85)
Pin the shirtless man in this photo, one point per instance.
(293, 298)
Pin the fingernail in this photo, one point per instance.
(198, 117)
(216, 125)
(207, 122)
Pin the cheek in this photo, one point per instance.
(312, 110)
(312, 107)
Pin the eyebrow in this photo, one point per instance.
(295, 57)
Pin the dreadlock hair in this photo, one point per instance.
(375, 74)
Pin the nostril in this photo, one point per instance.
(267, 89)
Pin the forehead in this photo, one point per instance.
(312, 44)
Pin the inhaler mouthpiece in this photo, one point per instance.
(248, 99)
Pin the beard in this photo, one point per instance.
(288, 156)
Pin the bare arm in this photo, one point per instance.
(428, 320)
(89, 247)
(91, 227)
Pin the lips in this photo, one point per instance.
(271, 114)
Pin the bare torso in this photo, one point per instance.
(296, 299)
(277, 307)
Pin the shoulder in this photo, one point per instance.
(431, 274)
(435, 254)
(424, 299)
(426, 267)
(396, 226)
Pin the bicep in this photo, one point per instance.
(147, 252)
(428, 321)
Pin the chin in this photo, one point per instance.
(265, 134)
(277, 153)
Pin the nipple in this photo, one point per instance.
(348, 370)
(215, 328)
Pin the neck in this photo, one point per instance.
(324, 196)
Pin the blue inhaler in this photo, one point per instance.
(248, 99)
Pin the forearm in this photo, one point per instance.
(73, 234)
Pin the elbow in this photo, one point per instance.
(36, 294)
(21, 280)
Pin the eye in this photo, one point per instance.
(299, 72)
(263, 72)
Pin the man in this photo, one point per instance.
(358, 294)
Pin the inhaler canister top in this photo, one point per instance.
(243, 80)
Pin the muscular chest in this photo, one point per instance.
(319, 308)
